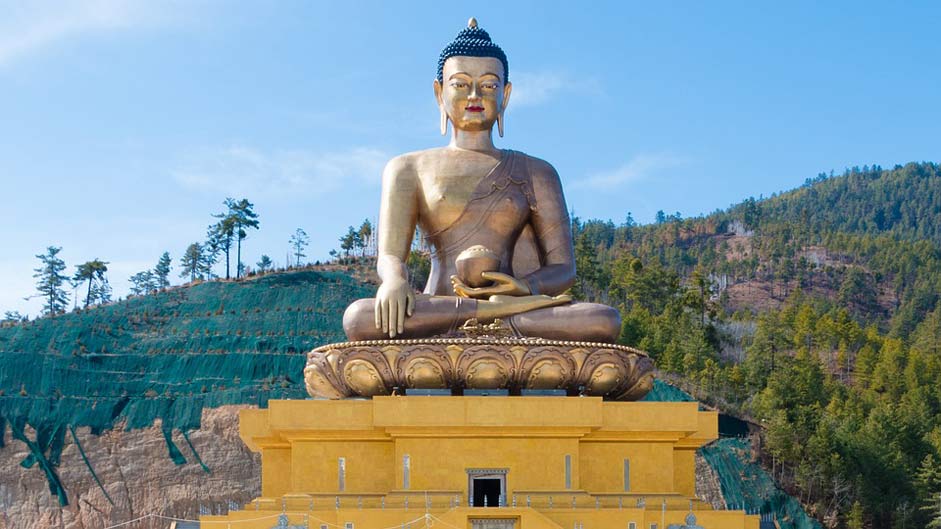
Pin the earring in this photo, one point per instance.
(444, 123)
(500, 123)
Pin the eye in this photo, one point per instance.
(459, 85)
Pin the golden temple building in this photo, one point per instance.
(478, 462)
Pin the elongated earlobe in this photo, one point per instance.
(444, 115)
(507, 90)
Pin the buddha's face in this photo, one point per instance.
(473, 92)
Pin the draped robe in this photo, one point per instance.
(534, 244)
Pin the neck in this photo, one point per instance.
(478, 140)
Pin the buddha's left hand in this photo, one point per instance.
(503, 284)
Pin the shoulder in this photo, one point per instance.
(401, 163)
(412, 162)
(540, 170)
(401, 170)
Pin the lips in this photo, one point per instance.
(474, 108)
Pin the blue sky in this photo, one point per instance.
(124, 125)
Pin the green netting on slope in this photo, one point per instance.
(165, 356)
(746, 485)
(663, 392)
(282, 312)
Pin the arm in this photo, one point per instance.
(398, 213)
(553, 231)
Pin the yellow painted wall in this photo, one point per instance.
(651, 466)
(519, 412)
(275, 471)
(684, 471)
(316, 466)
(532, 464)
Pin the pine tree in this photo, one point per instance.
(243, 217)
(191, 264)
(102, 291)
(143, 283)
(855, 518)
(94, 273)
(264, 264)
(13, 316)
(349, 241)
(928, 485)
(50, 281)
(219, 238)
(365, 236)
(299, 242)
(162, 271)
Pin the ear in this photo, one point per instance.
(444, 114)
(438, 89)
(507, 88)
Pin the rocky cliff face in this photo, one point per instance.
(137, 474)
(708, 488)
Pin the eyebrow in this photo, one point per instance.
(455, 74)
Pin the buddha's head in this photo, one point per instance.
(472, 87)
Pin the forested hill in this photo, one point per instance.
(869, 240)
(816, 312)
(904, 203)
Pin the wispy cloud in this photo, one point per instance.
(639, 168)
(246, 171)
(536, 88)
(27, 27)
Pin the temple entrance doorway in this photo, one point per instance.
(486, 487)
(486, 492)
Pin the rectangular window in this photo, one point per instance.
(653, 526)
(348, 525)
(568, 471)
(406, 471)
(341, 474)
(627, 475)
(632, 525)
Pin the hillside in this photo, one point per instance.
(816, 312)
(99, 387)
(131, 408)
(869, 240)
(809, 312)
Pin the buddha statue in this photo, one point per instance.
(503, 212)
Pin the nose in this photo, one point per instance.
(473, 92)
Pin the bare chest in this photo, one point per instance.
(446, 189)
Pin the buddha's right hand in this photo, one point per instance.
(394, 301)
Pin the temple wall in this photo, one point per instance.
(651, 467)
(684, 473)
(531, 464)
(560, 462)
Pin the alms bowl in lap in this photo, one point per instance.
(380, 367)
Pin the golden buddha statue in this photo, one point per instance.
(471, 194)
